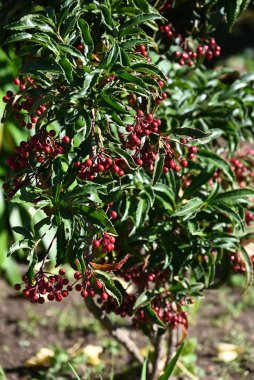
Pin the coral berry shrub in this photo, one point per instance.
(131, 157)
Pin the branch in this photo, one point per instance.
(159, 352)
(121, 335)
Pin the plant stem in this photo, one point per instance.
(158, 357)
(120, 334)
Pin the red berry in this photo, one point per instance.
(98, 284)
(50, 297)
(65, 293)
(113, 214)
(140, 113)
(61, 272)
(77, 275)
(104, 296)
(66, 139)
(88, 163)
(17, 287)
(84, 294)
(16, 81)
(96, 243)
(22, 87)
(9, 94)
(78, 287)
(6, 99)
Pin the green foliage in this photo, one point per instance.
(90, 174)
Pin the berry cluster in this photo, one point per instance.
(141, 49)
(137, 140)
(207, 48)
(142, 277)
(36, 152)
(243, 166)
(238, 263)
(126, 307)
(169, 312)
(249, 217)
(54, 287)
(106, 242)
(99, 163)
(22, 103)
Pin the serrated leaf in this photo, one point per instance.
(143, 300)
(22, 244)
(218, 162)
(142, 210)
(141, 19)
(190, 209)
(125, 156)
(234, 195)
(114, 103)
(86, 37)
(158, 167)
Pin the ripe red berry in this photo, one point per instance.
(6, 99)
(61, 272)
(116, 168)
(16, 81)
(113, 214)
(78, 287)
(22, 87)
(140, 113)
(66, 139)
(184, 163)
(88, 163)
(17, 287)
(96, 243)
(65, 293)
(47, 149)
(100, 168)
(104, 296)
(98, 284)
(77, 275)
(84, 294)
(50, 297)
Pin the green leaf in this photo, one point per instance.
(233, 9)
(98, 217)
(170, 368)
(158, 167)
(198, 181)
(67, 69)
(248, 267)
(143, 300)
(218, 162)
(113, 103)
(112, 290)
(125, 156)
(195, 134)
(141, 19)
(148, 69)
(86, 37)
(18, 37)
(142, 210)
(190, 209)
(60, 244)
(153, 317)
(142, 5)
(233, 195)
(22, 244)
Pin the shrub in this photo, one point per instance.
(132, 157)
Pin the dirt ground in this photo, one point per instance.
(25, 329)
